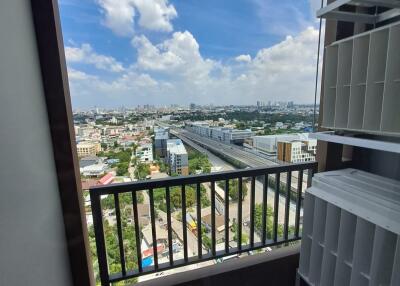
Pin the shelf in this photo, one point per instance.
(346, 236)
(395, 280)
(368, 196)
(308, 215)
(364, 239)
(342, 107)
(373, 107)
(390, 120)
(306, 242)
(318, 233)
(332, 228)
(317, 247)
(375, 74)
(333, 11)
(356, 107)
(345, 55)
(330, 80)
(328, 269)
(383, 257)
(361, 82)
(354, 141)
(359, 213)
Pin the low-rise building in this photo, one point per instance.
(145, 153)
(94, 170)
(88, 148)
(269, 143)
(89, 160)
(297, 151)
(177, 157)
(227, 135)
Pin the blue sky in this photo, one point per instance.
(135, 52)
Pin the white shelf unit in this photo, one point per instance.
(391, 98)
(362, 82)
(351, 233)
(343, 84)
(358, 82)
(331, 60)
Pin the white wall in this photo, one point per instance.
(32, 239)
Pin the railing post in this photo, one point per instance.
(169, 224)
(287, 204)
(226, 216)
(137, 231)
(298, 202)
(252, 209)
(264, 209)
(276, 205)
(100, 242)
(153, 229)
(199, 224)
(119, 233)
(184, 227)
(213, 240)
(239, 236)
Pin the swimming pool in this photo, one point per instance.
(146, 262)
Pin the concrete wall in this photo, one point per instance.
(32, 239)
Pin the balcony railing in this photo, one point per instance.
(261, 237)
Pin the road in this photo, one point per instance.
(231, 151)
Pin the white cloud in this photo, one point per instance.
(287, 18)
(118, 16)
(155, 15)
(177, 56)
(85, 54)
(75, 75)
(243, 58)
(174, 71)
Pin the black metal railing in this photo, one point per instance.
(258, 238)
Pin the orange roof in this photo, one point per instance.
(149, 251)
(107, 179)
(87, 184)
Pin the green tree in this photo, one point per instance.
(122, 169)
(198, 162)
(142, 171)
(234, 189)
(235, 230)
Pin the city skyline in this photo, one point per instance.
(161, 52)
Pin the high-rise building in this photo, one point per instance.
(161, 135)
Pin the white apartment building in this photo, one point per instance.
(224, 134)
(145, 153)
(177, 157)
(269, 143)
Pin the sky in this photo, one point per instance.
(162, 52)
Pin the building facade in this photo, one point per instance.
(144, 153)
(223, 134)
(161, 135)
(86, 148)
(269, 143)
(177, 157)
(297, 151)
